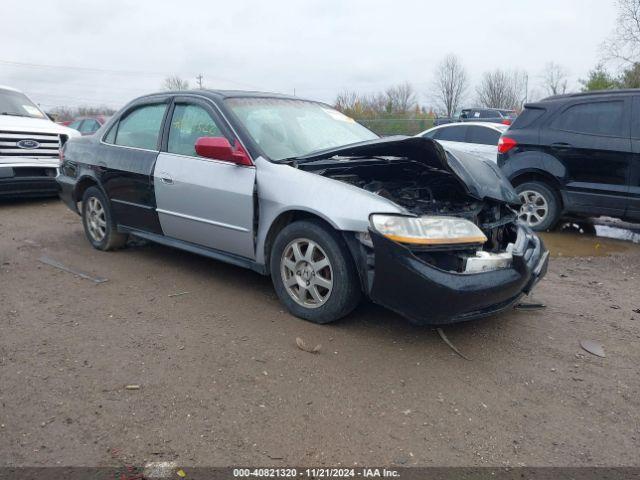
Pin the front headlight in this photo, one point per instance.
(428, 230)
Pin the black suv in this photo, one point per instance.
(575, 155)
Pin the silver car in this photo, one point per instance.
(296, 190)
(477, 138)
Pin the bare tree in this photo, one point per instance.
(450, 84)
(555, 79)
(376, 102)
(500, 89)
(401, 98)
(346, 100)
(174, 82)
(64, 113)
(624, 43)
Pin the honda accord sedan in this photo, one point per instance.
(296, 190)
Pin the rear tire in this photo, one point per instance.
(98, 222)
(313, 272)
(541, 205)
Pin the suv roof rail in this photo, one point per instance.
(593, 93)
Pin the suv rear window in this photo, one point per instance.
(527, 117)
(596, 118)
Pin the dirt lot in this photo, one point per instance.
(223, 383)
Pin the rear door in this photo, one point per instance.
(592, 141)
(206, 202)
(127, 155)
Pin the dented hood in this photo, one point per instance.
(483, 179)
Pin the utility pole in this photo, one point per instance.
(199, 81)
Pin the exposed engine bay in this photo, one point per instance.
(424, 190)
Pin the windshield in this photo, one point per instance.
(292, 128)
(17, 104)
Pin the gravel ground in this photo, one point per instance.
(223, 383)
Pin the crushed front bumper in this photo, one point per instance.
(427, 295)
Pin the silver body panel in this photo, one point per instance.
(486, 152)
(282, 188)
(206, 202)
(211, 203)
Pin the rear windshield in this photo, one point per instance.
(527, 117)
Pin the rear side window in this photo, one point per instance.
(141, 127)
(527, 117)
(451, 134)
(188, 124)
(598, 118)
(483, 135)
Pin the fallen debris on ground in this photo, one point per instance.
(303, 346)
(53, 263)
(451, 345)
(593, 348)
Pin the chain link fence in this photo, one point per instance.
(396, 126)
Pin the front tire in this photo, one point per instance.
(98, 222)
(313, 272)
(540, 208)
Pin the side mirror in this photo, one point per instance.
(219, 148)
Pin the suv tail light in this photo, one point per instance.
(506, 144)
(506, 121)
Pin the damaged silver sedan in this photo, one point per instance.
(298, 191)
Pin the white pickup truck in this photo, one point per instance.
(29, 146)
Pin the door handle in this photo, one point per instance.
(166, 178)
(561, 145)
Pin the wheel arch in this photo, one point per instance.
(539, 176)
(82, 185)
(286, 218)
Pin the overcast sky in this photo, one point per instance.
(115, 50)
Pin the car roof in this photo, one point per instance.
(490, 109)
(495, 126)
(224, 94)
(595, 93)
(4, 87)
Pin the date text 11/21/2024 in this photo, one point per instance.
(315, 473)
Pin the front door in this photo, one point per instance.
(592, 141)
(206, 202)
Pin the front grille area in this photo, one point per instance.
(42, 145)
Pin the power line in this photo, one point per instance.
(106, 70)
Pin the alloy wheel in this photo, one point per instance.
(534, 209)
(307, 273)
(96, 219)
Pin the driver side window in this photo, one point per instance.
(188, 124)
